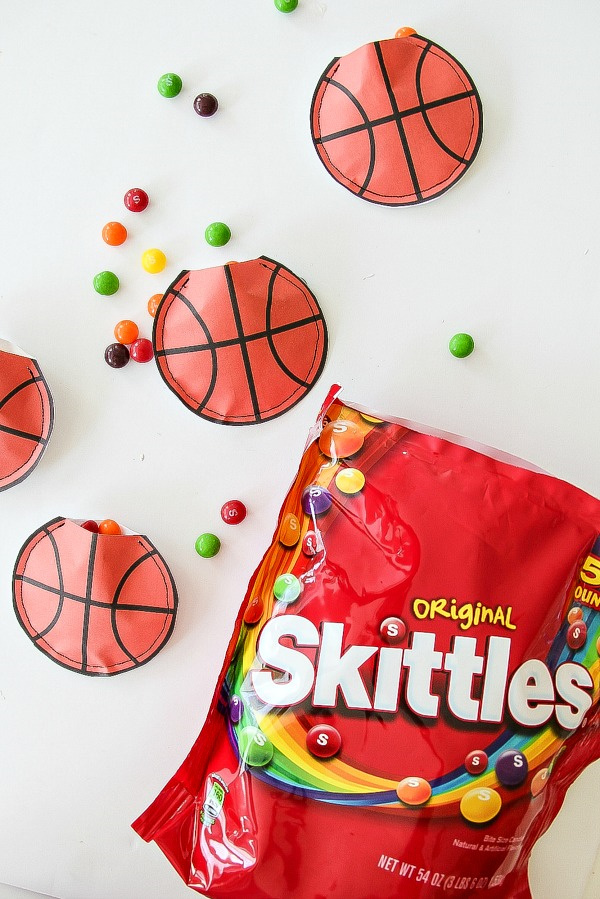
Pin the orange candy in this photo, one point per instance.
(114, 234)
(413, 791)
(153, 303)
(126, 331)
(405, 32)
(574, 614)
(289, 532)
(108, 526)
(340, 439)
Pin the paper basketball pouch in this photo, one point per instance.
(412, 682)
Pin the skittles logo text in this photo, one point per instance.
(532, 694)
(469, 614)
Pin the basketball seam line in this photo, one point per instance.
(312, 303)
(399, 125)
(243, 348)
(24, 434)
(387, 120)
(459, 70)
(302, 383)
(88, 596)
(19, 387)
(232, 341)
(97, 603)
(34, 379)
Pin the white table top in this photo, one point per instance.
(510, 255)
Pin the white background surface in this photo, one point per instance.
(510, 255)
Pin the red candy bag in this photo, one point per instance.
(411, 685)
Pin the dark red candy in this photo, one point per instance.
(136, 199)
(577, 634)
(91, 526)
(323, 740)
(476, 762)
(233, 511)
(141, 350)
(392, 630)
(206, 105)
(116, 355)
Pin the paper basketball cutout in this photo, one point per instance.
(397, 122)
(93, 603)
(26, 417)
(241, 343)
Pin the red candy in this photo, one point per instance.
(577, 635)
(392, 630)
(233, 512)
(310, 544)
(136, 199)
(254, 610)
(141, 350)
(324, 741)
(476, 762)
(91, 526)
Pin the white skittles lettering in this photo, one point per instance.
(532, 694)
(323, 739)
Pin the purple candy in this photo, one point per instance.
(512, 768)
(316, 500)
(236, 709)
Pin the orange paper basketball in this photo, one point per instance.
(26, 417)
(93, 603)
(241, 343)
(397, 122)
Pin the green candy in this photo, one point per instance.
(207, 545)
(461, 345)
(169, 85)
(287, 588)
(106, 283)
(217, 234)
(286, 5)
(255, 749)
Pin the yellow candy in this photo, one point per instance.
(289, 532)
(480, 805)
(350, 480)
(154, 261)
(370, 419)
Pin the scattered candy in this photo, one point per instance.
(217, 234)
(255, 749)
(116, 355)
(206, 105)
(575, 614)
(90, 526)
(310, 544)
(289, 532)
(480, 805)
(208, 545)
(340, 439)
(287, 588)
(539, 781)
(153, 261)
(324, 741)
(286, 5)
(350, 481)
(126, 331)
(405, 32)
(236, 709)
(114, 234)
(476, 762)
(254, 610)
(413, 791)
(577, 635)
(109, 527)
(141, 350)
(511, 768)
(461, 345)
(233, 511)
(153, 303)
(316, 500)
(169, 85)
(106, 283)
(392, 630)
(136, 199)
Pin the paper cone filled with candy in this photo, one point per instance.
(93, 599)
(414, 673)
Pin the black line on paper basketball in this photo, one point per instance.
(114, 607)
(243, 347)
(61, 587)
(400, 126)
(428, 124)
(367, 125)
(88, 596)
(234, 341)
(32, 380)
(210, 344)
(270, 340)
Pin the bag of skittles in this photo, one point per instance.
(412, 682)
